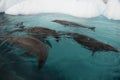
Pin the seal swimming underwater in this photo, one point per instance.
(38, 31)
(91, 43)
(68, 23)
(32, 45)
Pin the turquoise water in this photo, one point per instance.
(67, 60)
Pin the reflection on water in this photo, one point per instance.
(67, 60)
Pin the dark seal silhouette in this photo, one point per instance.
(38, 31)
(91, 43)
(32, 45)
(68, 23)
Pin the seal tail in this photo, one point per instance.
(92, 28)
(40, 64)
(41, 61)
(41, 58)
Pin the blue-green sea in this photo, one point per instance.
(67, 60)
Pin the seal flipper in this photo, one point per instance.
(93, 53)
(48, 42)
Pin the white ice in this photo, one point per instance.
(113, 10)
(79, 8)
(5, 4)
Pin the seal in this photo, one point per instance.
(38, 31)
(91, 43)
(68, 23)
(32, 45)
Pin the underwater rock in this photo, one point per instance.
(68, 23)
(32, 45)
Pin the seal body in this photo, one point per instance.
(32, 45)
(91, 43)
(69, 23)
